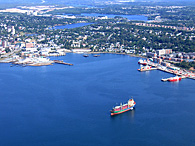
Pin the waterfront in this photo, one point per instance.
(69, 105)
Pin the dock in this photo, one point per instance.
(192, 78)
(62, 62)
(147, 69)
(183, 73)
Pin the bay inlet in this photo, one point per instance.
(69, 105)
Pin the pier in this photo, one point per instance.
(182, 73)
(141, 70)
(62, 62)
(178, 72)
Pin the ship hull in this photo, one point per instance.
(174, 79)
(142, 63)
(122, 111)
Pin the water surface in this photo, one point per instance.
(129, 17)
(69, 105)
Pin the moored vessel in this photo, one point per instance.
(142, 62)
(174, 79)
(96, 55)
(164, 80)
(123, 107)
(85, 55)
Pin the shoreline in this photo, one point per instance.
(132, 55)
(3, 60)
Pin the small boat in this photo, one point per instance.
(96, 55)
(123, 107)
(85, 55)
(164, 80)
(174, 79)
(142, 62)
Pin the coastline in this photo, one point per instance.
(107, 53)
(40, 61)
(9, 60)
(132, 55)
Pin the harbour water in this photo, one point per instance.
(129, 17)
(69, 105)
(71, 26)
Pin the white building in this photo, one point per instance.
(76, 44)
(13, 30)
(81, 50)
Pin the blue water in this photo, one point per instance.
(69, 105)
(70, 26)
(129, 17)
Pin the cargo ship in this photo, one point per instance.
(123, 107)
(142, 62)
(174, 79)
